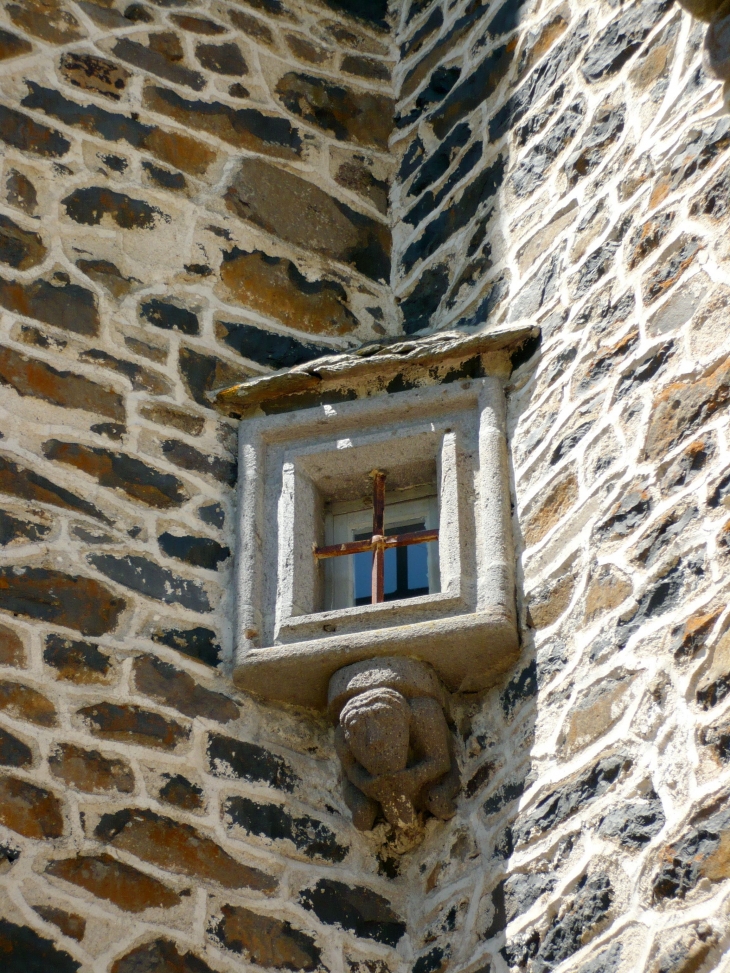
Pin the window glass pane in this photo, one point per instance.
(363, 569)
(418, 566)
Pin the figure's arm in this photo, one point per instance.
(354, 771)
(430, 744)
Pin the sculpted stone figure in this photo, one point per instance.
(716, 54)
(393, 743)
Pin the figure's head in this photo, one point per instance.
(377, 727)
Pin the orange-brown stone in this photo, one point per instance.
(95, 74)
(125, 886)
(29, 810)
(274, 286)
(133, 724)
(12, 652)
(25, 703)
(560, 498)
(179, 848)
(266, 941)
(47, 20)
(90, 771)
(68, 922)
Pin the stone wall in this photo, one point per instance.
(194, 193)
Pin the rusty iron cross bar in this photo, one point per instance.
(378, 542)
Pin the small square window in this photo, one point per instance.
(306, 486)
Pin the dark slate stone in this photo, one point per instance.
(75, 659)
(521, 687)
(60, 599)
(576, 794)
(373, 12)
(506, 794)
(683, 862)
(22, 132)
(522, 890)
(643, 371)
(411, 159)
(248, 761)
(62, 304)
(506, 19)
(157, 64)
(224, 120)
(13, 752)
(432, 199)
(119, 471)
(89, 206)
(213, 514)
(718, 737)
(662, 595)
(438, 162)
(267, 348)
(419, 38)
(620, 39)
(540, 81)
(13, 529)
(115, 162)
(571, 441)
(160, 956)
(164, 177)
(709, 696)
(356, 909)
(310, 836)
(654, 544)
(177, 688)
(180, 792)
(634, 824)
(424, 299)
(8, 857)
(199, 643)
(495, 293)
(590, 905)
(201, 552)
(531, 172)
(266, 942)
(24, 951)
(222, 58)
(439, 85)
(149, 579)
(606, 127)
(19, 248)
(434, 961)
(456, 215)
(189, 458)
(476, 88)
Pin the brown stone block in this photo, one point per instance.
(29, 376)
(607, 589)
(120, 472)
(549, 602)
(669, 267)
(167, 415)
(94, 73)
(306, 49)
(12, 652)
(266, 941)
(70, 601)
(13, 46)
(47, 20)
(133, 724)
(197, 25)
(595, 711)
(29, 810)
(160, 956)
(25, 703)
(245, 128)
(90, 771)
(222, 59)
(125, 886)
(68, 922)
(76, 661)
(257, 29)
(22, 132)
(361, 174)
(19, 248)
(13, 752)
(178, 689)
(274, 286)
(179, 848)
(559, 499)
(208, 373)
(301, 213)
(349, 115)
(681, 407)
(29, 485)
(65, 305)
(182, 793)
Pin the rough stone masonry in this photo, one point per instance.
(193, 193)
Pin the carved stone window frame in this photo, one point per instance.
(285, 650)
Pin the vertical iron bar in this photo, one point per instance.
(378, 578)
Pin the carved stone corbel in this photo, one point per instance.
(716, 54)
(394, 744)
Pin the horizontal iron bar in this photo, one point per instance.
(370, 543)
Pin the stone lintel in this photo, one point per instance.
(377, 368)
